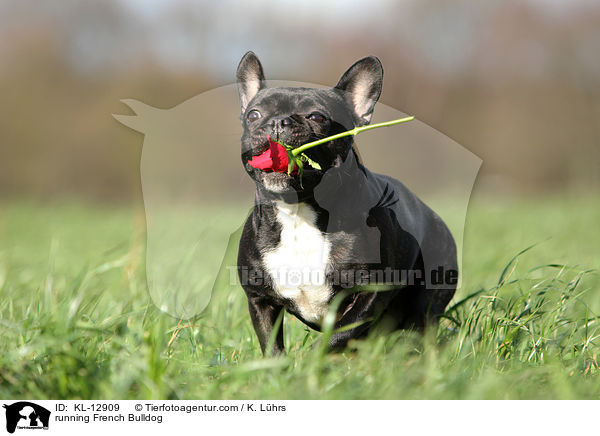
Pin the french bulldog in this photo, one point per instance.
(337, 229)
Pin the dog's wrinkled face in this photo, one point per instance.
(296, 116)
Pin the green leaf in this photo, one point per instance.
(291, 162)
(311, 162)
(300, 171)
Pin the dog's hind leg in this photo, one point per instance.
(417, 307)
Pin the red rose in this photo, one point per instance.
(275, 158)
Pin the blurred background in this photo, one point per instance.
(515, 82)
(83, 246)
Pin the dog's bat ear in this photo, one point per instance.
(250, 78)
(362, 84)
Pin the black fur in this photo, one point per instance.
(351, 205)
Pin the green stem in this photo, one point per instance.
(355, 131)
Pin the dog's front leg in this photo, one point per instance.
(265, 318)
(363, 311)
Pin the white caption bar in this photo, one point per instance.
(247, 417)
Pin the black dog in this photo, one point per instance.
(344, 229)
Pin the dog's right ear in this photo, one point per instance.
(250, 78)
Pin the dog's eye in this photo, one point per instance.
(316, 117)
(253, 115)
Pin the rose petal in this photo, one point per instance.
(275, 158)
(279, 156)
(262, 161)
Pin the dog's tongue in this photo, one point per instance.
(274, 159)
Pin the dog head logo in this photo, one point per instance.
(26, 415)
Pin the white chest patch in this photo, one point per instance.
(298, 265)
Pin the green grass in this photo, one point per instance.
(77, 321)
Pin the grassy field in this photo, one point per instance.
(77, 322)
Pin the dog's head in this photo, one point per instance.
(296, 116)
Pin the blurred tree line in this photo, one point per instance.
(515, 82)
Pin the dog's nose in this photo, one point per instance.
(281, 122)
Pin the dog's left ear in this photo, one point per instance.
(362, 84)
(250, 78)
